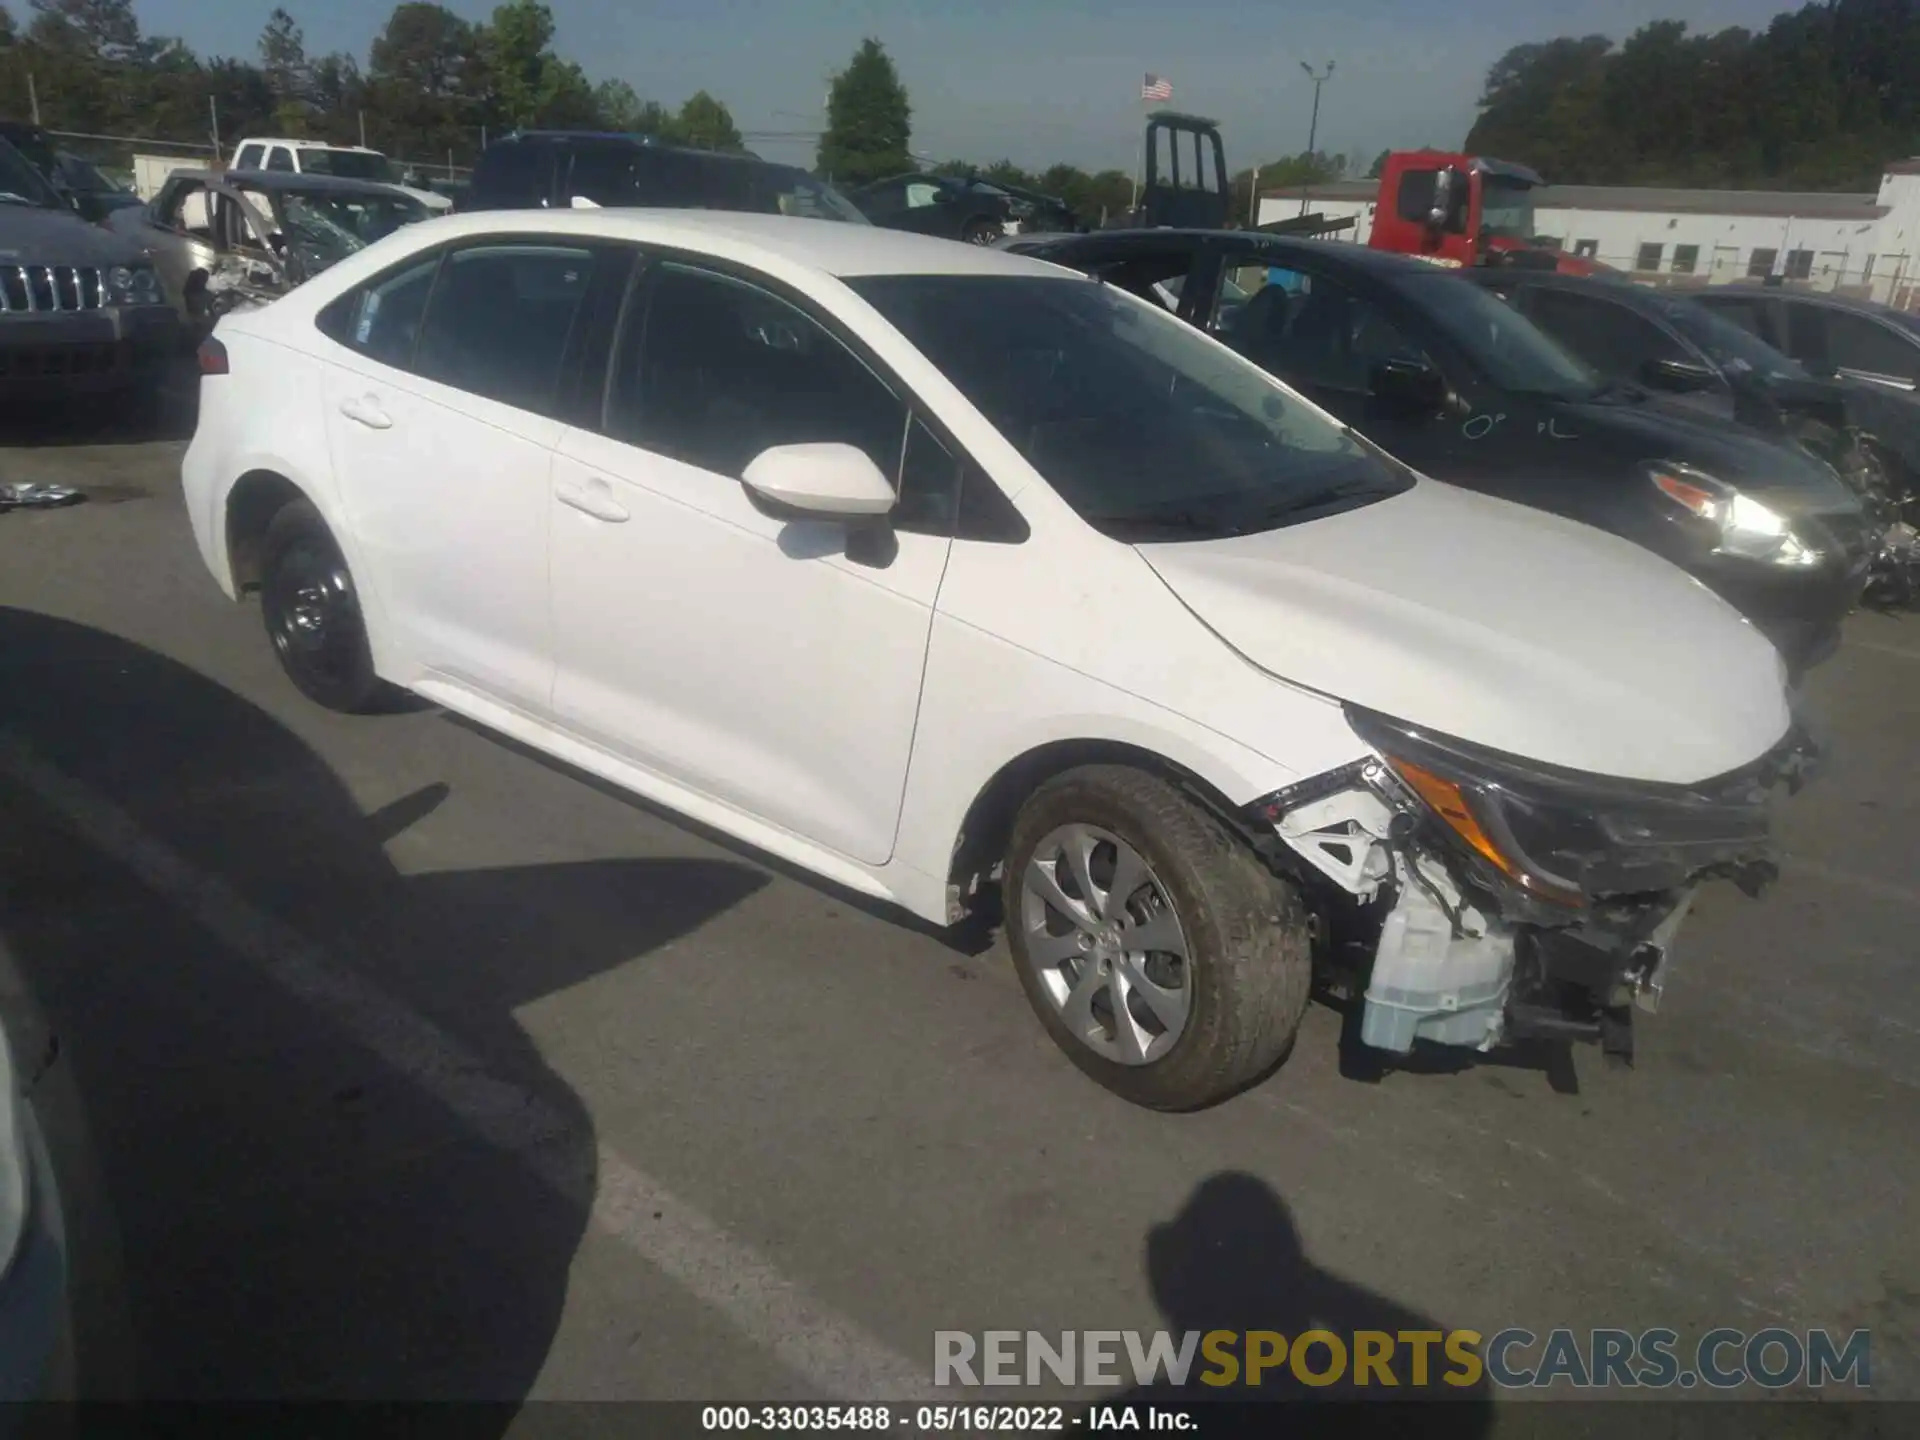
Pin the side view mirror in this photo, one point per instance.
(1442, 201)
(818, 481)
(1678, 377)
(1408, 384)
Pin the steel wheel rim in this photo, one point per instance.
(313, 613)
(1104, 940)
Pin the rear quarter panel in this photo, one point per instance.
(267, 414)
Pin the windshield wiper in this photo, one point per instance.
(1325, 495)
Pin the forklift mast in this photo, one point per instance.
(1186, 174)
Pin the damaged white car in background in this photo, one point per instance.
(241, 238)
(984, 588)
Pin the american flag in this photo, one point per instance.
(1155, 87)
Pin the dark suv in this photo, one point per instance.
(537, 169)
(82, 310)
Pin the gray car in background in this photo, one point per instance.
(250, 235)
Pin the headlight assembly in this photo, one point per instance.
(134, 285)
(1565, 837)
(1749, 528)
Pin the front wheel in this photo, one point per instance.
(312, 613)
(1167, 962)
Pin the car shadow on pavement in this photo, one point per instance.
(1232, 1260)
(973, 937)
(274, 1189)
(133, 417)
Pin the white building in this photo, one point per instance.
(1859, 244)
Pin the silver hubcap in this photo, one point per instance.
(1104, 941)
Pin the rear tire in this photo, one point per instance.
(982, 232)
(1207, 951)
(312, 613)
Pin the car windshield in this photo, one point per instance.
(1509, 349)
(84, 179)
(21, 184)
(1506, 208)
(1727, 345)
(328, 228)
(347, 164)
(1146, 427)
(798, 193)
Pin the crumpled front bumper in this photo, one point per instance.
(1548, 906)
(81, 352)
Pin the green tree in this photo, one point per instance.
(283, 55)
(527, 83)
(704, 122)
(426, 83)
(104, 29)
(869, 122)
(617, 104)
(6, 27)
(1379, 166)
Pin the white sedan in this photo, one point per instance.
(983, 587)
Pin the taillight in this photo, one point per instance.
(213, 357)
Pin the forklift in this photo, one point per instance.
(1187, 186)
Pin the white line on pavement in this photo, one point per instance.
(814, 1342)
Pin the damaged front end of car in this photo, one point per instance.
(1505, 899)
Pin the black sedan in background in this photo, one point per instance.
(1830, 335)
(1452, 380)
(950, 207)
(1686, 344)
(1670, 342)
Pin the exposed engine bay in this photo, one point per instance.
(1892, 508)
(1498, 900)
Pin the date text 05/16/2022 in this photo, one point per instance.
(943, 1419)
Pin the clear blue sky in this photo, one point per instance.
(1033, 80)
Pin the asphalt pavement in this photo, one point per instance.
(397, 1062)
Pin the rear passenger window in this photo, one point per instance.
(513, 175)
(248, 158)
(602, 174)
(1611, 338)
(720, 370)
(382, 318)
(499, 321)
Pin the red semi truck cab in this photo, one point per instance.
(1463, 210)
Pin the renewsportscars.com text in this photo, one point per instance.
(1723, 1359)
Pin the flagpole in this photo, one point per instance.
(1140, 172)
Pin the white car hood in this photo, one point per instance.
(1497, 624)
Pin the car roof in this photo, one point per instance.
(276, 181)
(1279, 247)
(1820, 297)
(296, 144)
(640, 142)
(828, 247)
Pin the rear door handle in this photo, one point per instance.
(366, 411)
(594, 498)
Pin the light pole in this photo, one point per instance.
(1313, 126)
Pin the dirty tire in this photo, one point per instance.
(311, 609)
(1249, 952)
(982, 232)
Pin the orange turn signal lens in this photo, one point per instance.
(1447, 800)
(1697, 498)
